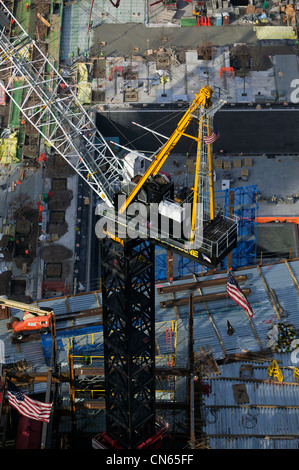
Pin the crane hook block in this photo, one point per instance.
(205, 96)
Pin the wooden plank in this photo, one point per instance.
(43, 19)
(215, 367)
(199, 298)
(208, 360)
(242, 379)
(254, 330)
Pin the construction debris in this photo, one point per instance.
(282, 337)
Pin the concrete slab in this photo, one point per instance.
(121, 37)
(244, 96)
(286, 70)
(277, 238)
(258, 131)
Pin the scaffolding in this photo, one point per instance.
(246, 210)
(85, 355)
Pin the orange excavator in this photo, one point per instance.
(35, 320)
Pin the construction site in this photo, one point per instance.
(119, 318)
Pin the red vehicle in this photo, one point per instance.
(30, 324)
(34, 319)
(104, 441)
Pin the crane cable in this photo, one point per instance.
(116, 3)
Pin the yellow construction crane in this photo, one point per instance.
(206, 236)
(201, 111)
(203, 99)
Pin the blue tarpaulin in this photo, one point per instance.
(46, 340)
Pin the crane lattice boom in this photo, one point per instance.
(52, 108)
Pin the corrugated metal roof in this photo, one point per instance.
(228, 424)
(258, 425)
(58, 305)
(277, 277)
(246, 443)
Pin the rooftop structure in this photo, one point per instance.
(122, 61)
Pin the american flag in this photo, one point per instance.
(237, 295)
(212, 137)
(26, 406)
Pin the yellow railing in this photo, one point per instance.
(166, 360)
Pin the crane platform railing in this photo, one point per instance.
(213, 241)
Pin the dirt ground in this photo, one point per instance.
(55, 253)
(60, 200)
(260, 56)
(5, 283)
(15, 249)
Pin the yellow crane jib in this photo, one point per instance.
(203, 100)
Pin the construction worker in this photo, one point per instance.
(27, 6)
(26, 253)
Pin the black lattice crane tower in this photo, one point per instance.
(194, 228)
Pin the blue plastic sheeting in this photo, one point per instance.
(46, 339)
(182, 266)
(246, 208)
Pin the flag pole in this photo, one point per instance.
(47, 399)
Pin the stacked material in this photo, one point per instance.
(282, 337)
(8, 149)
